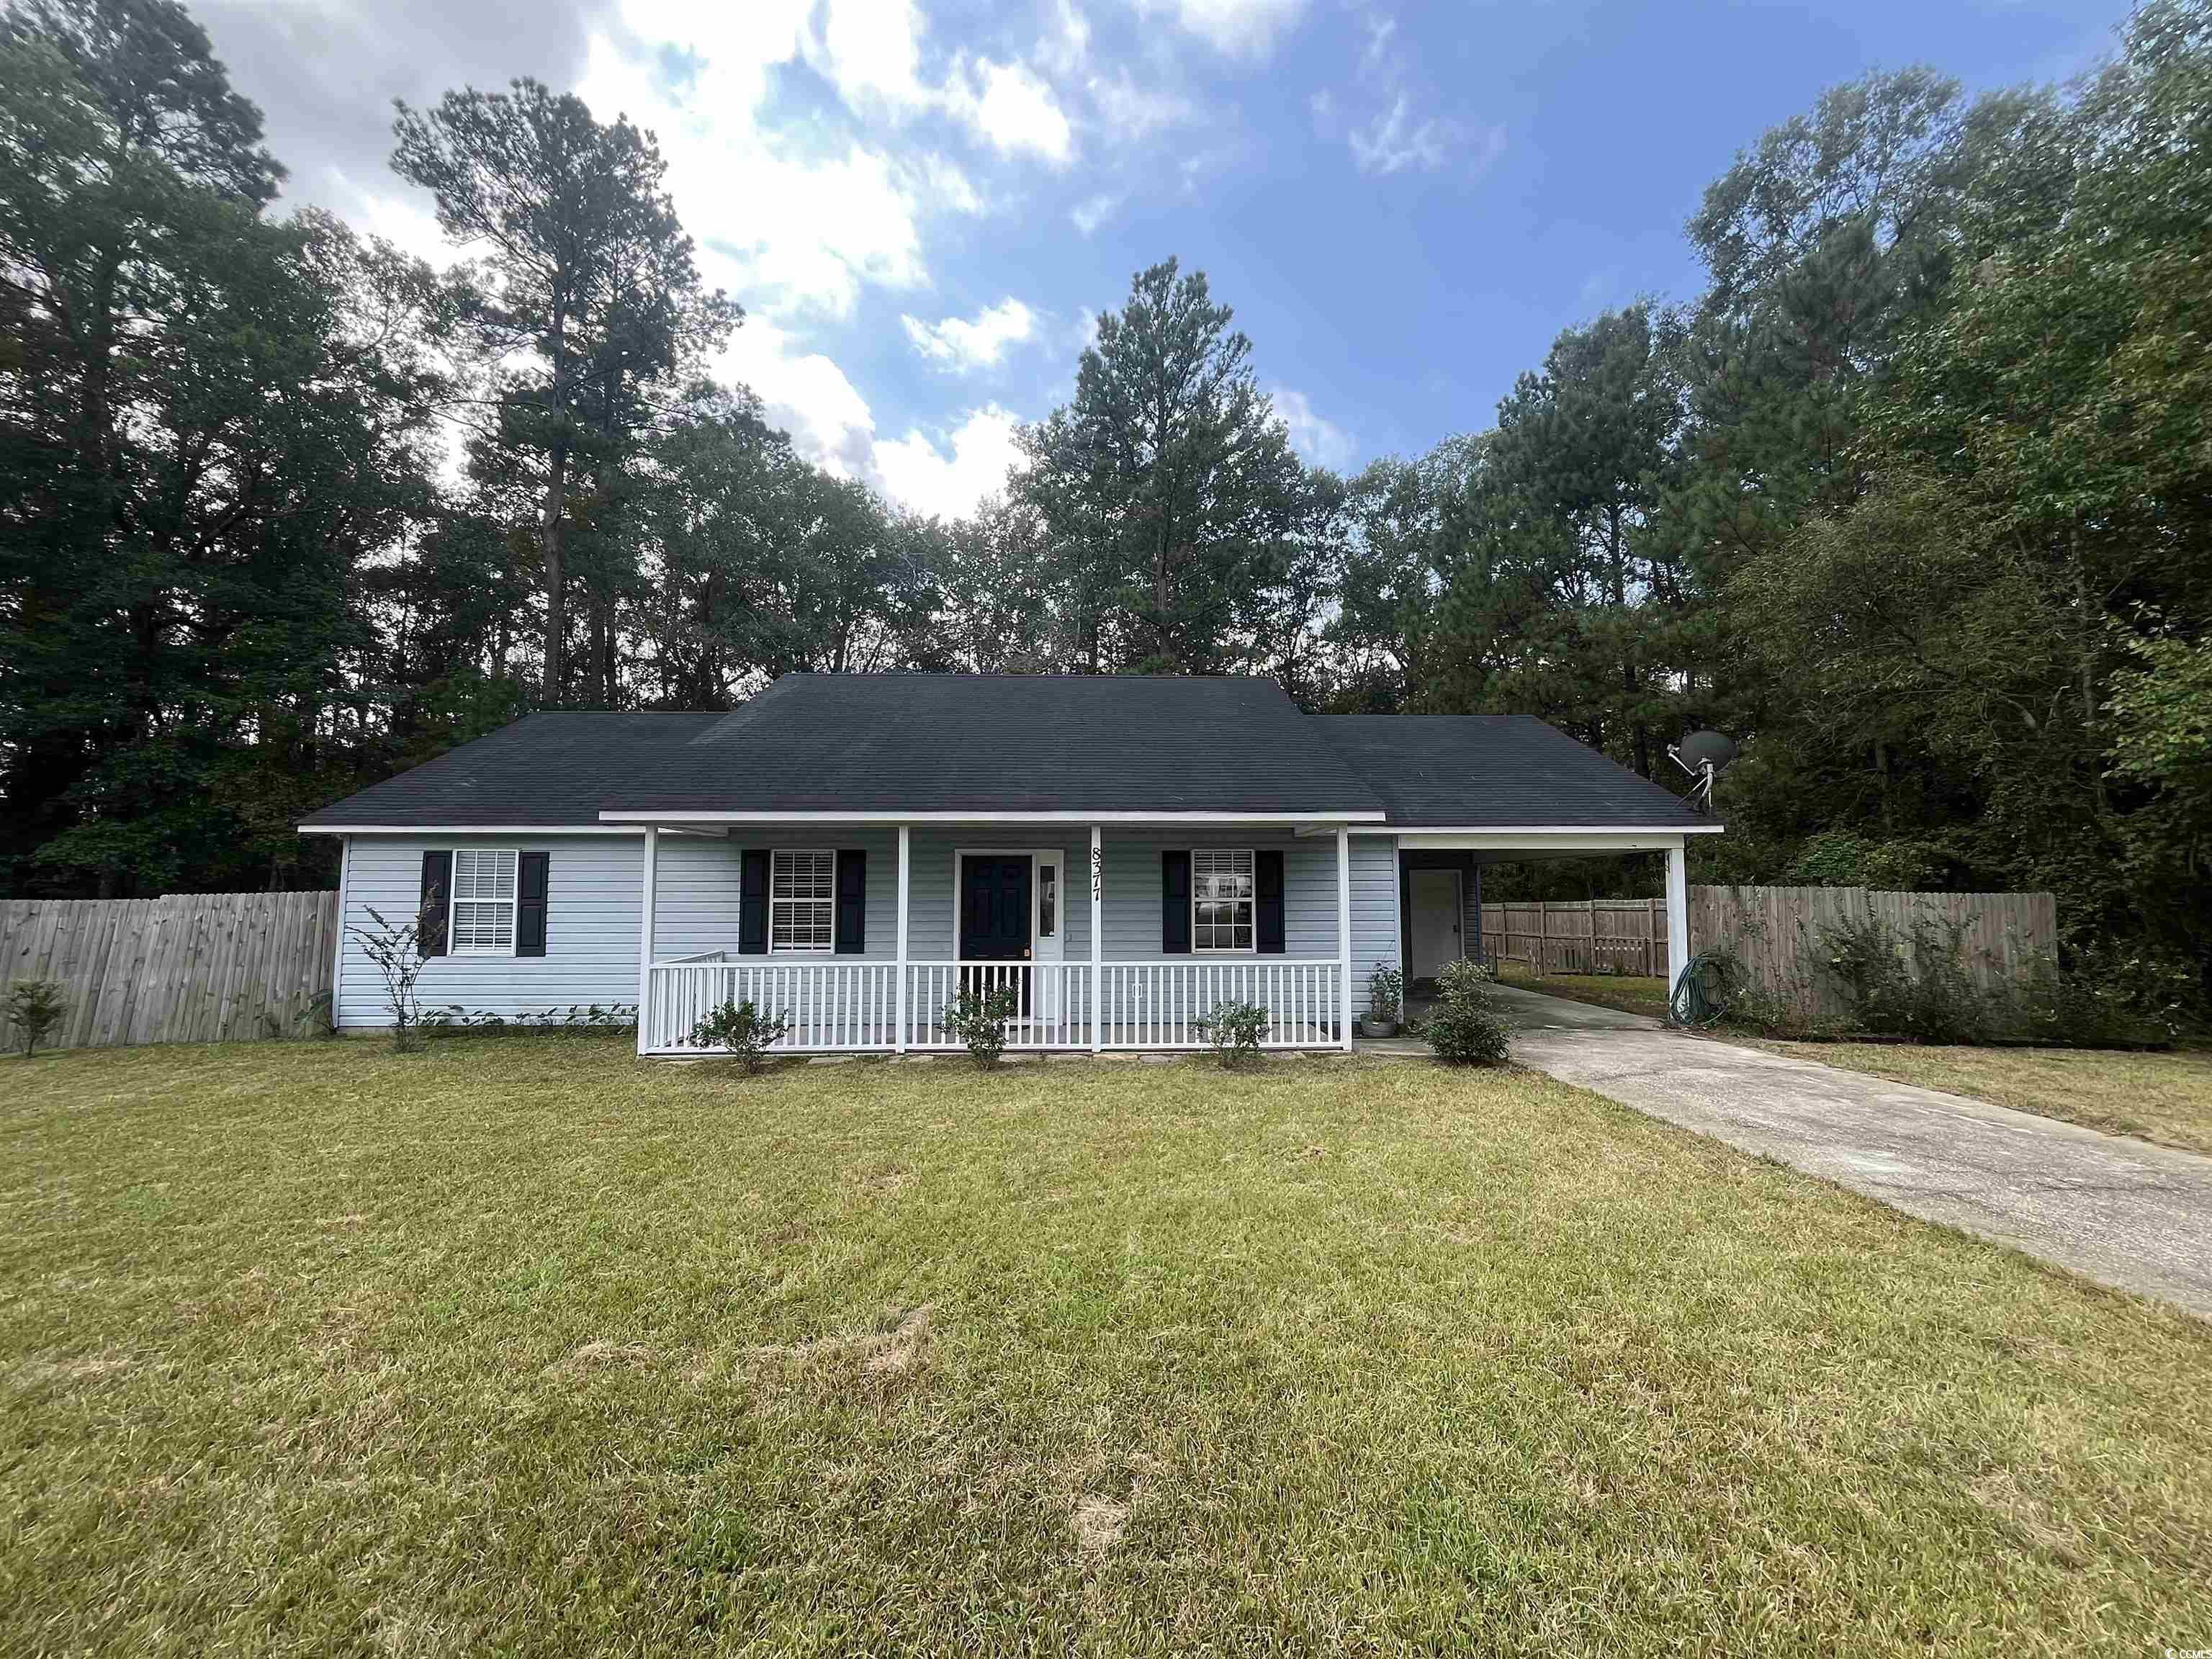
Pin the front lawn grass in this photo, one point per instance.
(522, 1345)
(2165, 1097)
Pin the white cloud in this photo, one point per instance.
(1009, 106)
(1237, 28)
(785, 226)
(917, 470)
(1319, 440)
(964, 346)
(830, 424)
(405, 221)
(1132, 111)
(949, 190)
(1391, 141)
(806, 393)
(1381, 29)
(1067, 44)
(871, 52)
(1092, 211)
(798, 219)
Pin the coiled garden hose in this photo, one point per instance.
(1703, 993)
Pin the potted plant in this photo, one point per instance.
(1386, 990)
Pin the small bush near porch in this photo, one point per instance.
(521, 1344)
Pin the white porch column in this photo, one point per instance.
(1678, 915)
(1344, 925)
(906, 838)
(645, 938)
(1097, 939)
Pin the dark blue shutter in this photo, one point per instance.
(852, 901)
(532, 871)
(1267, 881)
(752, 905)
(430, 913)
(1175, 903)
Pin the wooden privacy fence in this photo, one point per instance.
(1579, 936)
(189, 967)
(1775, 934)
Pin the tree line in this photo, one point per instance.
(1913, 499)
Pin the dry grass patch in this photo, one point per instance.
(613, 1357)
(2165, 1097)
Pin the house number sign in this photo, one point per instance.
(1097, 874)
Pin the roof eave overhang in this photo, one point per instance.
(1608, 838)
(470, 828)
(987, 815)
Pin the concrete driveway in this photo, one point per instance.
(2121, 1212)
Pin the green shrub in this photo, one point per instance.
(1916, 984)
(1466, 1029)
(576, 1016)
(1234, 1029)
(2151, 993)
(35, 1006)
(742, 1028)
(978, 1019)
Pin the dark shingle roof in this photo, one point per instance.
(988, 744)
(957, 742)
(553, 768)
(1510, 771)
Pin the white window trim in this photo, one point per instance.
(453, 901)
(1251, 949)
(807, 952)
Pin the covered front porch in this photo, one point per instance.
(860, 934)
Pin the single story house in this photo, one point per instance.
(850, 850)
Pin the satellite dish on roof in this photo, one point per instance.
(1704, 756)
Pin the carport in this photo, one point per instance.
(1464, 793)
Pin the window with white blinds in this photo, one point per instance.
(481, 910)
(802, 901)
(1222, 907)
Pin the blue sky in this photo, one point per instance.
(921, 203)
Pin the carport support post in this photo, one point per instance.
(645, 938)
(898, 998)
(1097, 942)
(1678, 915)
(1344, 925)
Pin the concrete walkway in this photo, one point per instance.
(2121, 1212)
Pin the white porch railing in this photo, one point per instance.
(831, 1006)
(1051, 1001)
(1158, 1004)
(849, 1005)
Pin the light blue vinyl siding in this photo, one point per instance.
(594, 887)
(1374, 908)
(881, 941)
(591, 928)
